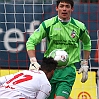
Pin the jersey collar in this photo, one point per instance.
(64, 20)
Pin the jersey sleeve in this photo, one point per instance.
(44, 92)
(3, 79)
(35, 38)
(85, 38)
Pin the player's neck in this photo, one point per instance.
(64, 20)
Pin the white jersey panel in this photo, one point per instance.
(28, 84)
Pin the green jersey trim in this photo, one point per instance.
(47, 29)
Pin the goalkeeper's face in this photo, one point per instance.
(64, 10)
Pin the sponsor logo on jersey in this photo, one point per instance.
(57, 28)
(64, 42)
(73, 34)
(65, 92)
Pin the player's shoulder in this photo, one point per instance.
(43, 76)
(50, 21)
(78, 23)
(25, 71)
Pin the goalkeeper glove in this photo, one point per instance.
(34, 65)
(84, 70)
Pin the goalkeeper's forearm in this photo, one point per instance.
(31, 53)
(86, 54)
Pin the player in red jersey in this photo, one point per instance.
(29, 84)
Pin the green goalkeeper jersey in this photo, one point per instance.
(62, 35)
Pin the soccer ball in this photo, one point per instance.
(60, 56)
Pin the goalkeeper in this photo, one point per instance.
(28, 84)
(63, 32)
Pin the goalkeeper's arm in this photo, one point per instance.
(34, 65)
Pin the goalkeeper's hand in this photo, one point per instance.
(84, 70)
(34, 65)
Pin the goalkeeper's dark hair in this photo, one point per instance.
(48, 64)
(71, 2)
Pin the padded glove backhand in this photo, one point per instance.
(34, 65)
(84, 70)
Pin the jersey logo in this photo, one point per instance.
(73, 34)
(57, 28)
(65, 92)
